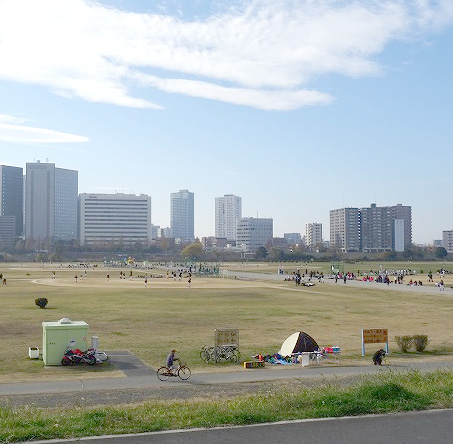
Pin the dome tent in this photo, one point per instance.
(298, 342)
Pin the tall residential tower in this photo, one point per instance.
(182, 215)
(228, 209)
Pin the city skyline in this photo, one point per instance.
(298, 107)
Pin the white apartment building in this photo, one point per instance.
(447, 240)
(123, 219)
(182, 215)
(313, 234)
(253, 233)
(228, 209)
(345, 229)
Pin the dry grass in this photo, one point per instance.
(150, 321)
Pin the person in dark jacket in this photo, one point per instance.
(378, 357)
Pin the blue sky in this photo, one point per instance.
(297, 106)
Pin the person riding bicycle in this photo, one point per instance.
(171, 358)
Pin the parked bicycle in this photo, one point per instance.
(163, 373)
(224, 353)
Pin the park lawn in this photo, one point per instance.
(151, 320)
(356, 267)
(386, 392)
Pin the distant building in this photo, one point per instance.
(279, 242)
(166, 233)
(402, 238)
(214, 243)
(12, 196)
(155, 231)
(228, 209)
(7, 232)
(447, 240)
(377, 228)
(313, 234)
(438, 243)
(293, 238)
(50, 202)
(344, 229)
(121, 219)
(253, 233)
(182, 215)
(371, 229)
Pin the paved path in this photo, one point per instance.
(427, 288)
(146, 378)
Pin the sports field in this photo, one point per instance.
(166, 313)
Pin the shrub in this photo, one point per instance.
(404, 342)
(41, 302)
(420, 342)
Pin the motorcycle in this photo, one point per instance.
(77, 357)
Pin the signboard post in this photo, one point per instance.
(375, 336)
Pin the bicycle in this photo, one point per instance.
(163, 373)
(223, 353)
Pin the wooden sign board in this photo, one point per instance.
(375, 336)
(226, 336)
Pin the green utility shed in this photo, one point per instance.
(58, 336)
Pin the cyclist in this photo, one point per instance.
(171, 358)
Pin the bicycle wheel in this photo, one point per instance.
(204, 355)
(184, 372)
(163, 373)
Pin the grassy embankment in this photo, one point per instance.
(167, 314)
(383, 393)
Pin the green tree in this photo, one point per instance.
(261, 253)
(440, 253)
(192, 251)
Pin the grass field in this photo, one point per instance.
(166, 314)
(384, 393)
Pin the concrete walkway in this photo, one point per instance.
(146, 378)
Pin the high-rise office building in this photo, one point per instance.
(119, 219)
(228, 209)
(182, 215)
(253, 233)
(313, 234)
(12, 196)
(50, 202)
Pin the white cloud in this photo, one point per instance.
(266, 54)
(5, 118)
(26, 134)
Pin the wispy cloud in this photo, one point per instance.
(11, 132)
(265, 54)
